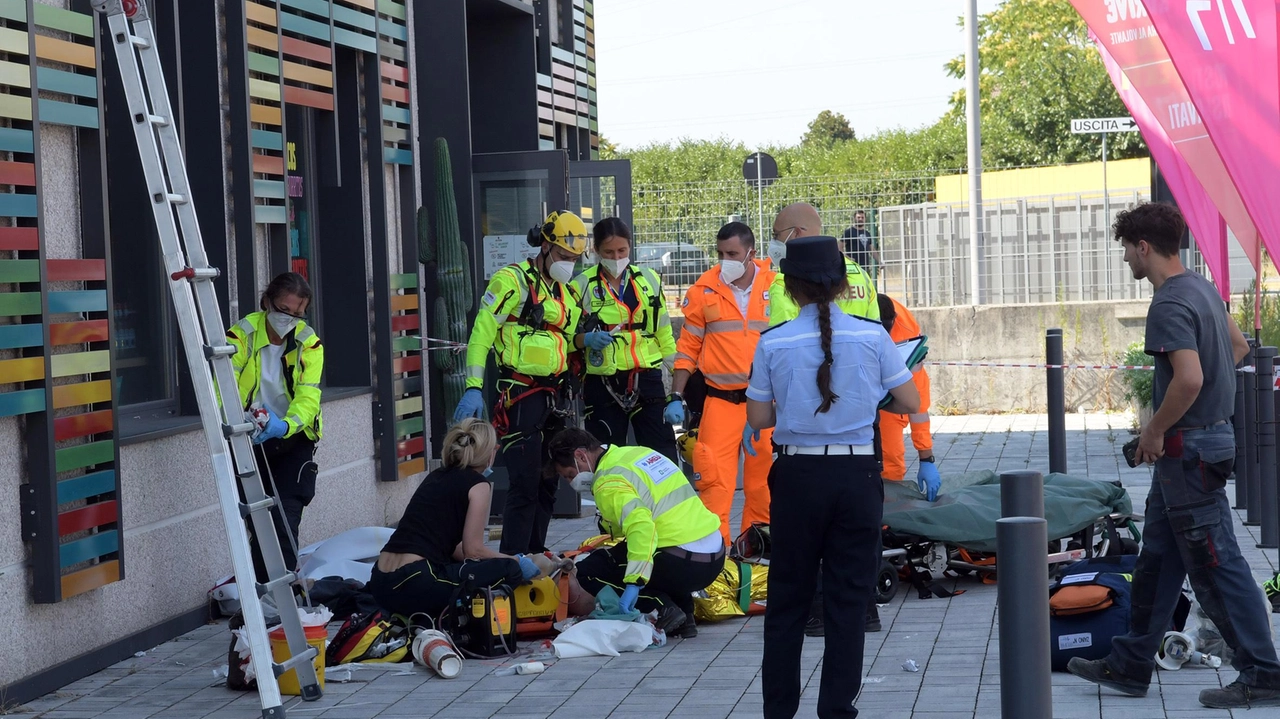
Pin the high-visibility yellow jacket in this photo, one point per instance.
(716, 338)
(642, 337)
(303, 364)
(645, 499)
(507, 322)
(859, 302)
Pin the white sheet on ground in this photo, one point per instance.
(602, 637)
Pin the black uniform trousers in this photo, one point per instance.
(674, 579)
(288, 471)
(823, 509)
(531, 495)
(608, 421)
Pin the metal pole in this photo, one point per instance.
(1057, 403)
(1253, 511)
(759, 195)
(1022, 596)
(1021, 494)
(1106, 197)
(1237, 420)
(973, 118)
(1265, 431)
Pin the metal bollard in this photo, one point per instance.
(1021, 494)
(1057, 402)
(1023, 604)
(1266, 441)
(1237, 421)
(1253, 508)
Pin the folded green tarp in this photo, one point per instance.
(967, 509)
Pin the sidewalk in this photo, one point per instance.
(715, 676)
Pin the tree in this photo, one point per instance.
(1039, 70)
(827, 129)
(608, 150)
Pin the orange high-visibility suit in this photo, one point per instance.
(718, 340)
(891, 425)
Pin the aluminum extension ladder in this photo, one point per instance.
(209, 355)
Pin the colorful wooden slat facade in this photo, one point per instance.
(406, 368)
(567, 95)
(58, 381)
(393, 44)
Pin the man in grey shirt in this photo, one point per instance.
(1188, 528)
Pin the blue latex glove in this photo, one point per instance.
(471, 405)
(674, 413)
(749, 435)
(627, 603)
(928, 480)
(527, 568)
(597, 340)
(275, 429)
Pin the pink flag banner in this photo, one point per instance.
(1202, 215)
(1125, 31)
(1225, 52)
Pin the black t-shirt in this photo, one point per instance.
(1187, 313)
(857, 246)
(433, 521)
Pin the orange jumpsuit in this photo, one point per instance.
(718, 340)
(891, 425)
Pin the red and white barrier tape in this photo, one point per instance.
(1137, 367)
(434, 344)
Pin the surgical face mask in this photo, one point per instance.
(280, 322)
(731, 270)
(582, 481)
(615, 267)
(561, 272)
(777, 251)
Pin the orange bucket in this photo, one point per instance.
(317, 637)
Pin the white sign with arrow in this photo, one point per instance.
(1089, 126)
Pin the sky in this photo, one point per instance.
(758, 71)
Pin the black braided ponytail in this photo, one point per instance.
(805, 292)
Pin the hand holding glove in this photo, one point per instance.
(274, 429)
(627, 603)
(597, 339)
(674, 413)
(749, 436)
(471, 405)
(929, 481)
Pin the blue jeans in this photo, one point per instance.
(1188, 532)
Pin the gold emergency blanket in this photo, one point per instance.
(724, 599)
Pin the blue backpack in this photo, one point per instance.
(1089, 604)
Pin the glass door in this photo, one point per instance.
(600, 189)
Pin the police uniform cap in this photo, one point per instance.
(816, 259)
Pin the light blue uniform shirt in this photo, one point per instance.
(866, 366)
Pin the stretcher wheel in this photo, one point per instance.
(886, 583)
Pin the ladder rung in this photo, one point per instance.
(288, 579)
(140, 42)
(171, 198)
(219, 351)
(294, 661)
(158, 121)
(230, 430)
(247, 509)
(196, 273)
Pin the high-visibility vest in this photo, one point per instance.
(303, 364)
(905, 327)
(643, 337)
(508, 323)
(645, 499)
(716, 338)
(859, 302)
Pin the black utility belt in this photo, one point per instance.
(735, 396)
(699, 557)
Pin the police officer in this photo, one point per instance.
(671, 544)
(626, 336)
(818, 380)
(528, 317)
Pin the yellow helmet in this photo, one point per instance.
(686, 442)
(565, 230)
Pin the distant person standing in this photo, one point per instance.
(859, 246)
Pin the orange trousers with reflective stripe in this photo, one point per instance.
(715, 464)
(892, 448)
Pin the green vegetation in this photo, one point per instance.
(1137, 382)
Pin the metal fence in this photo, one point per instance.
(1035, 249)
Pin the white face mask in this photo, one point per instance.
(777, 251)
(582, 481)
(561, 272)
(615, 267)
(280, 322)
(731, 270)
